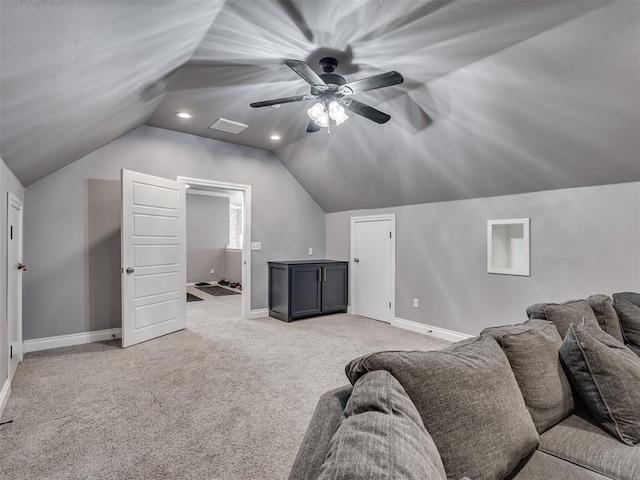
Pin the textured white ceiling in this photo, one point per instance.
(501, 96)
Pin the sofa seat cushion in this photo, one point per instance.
(628, 307)
(634, 349)
(606, 375)
(381, 436)
(533, 350)
(578, 439)
(469, 402)
(563, 314)
(605, 312)
(544, 466)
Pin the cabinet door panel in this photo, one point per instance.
(278, 290)
(305, 291)
(334, 288)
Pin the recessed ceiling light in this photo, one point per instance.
(275, 137)
(184, 115)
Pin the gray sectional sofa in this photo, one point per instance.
(556, 397)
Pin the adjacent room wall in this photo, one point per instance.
(8, 183)
(72, 223)
(207, 236)
(583, 241)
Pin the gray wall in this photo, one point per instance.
(8, 183)
(72, 223)
(583, 241)
(207, 236)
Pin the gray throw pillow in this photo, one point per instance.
(605, 312)
(381, 436)
(533, 350)
(629, 315)
(606, 375)
(563, 314)
(469, 402)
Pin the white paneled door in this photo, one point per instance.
(153, 239)
(372, 267)
(14, 281)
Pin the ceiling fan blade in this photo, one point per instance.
(366, 111)
(304, 70)
(312, 127)
(278, 101)
(371, 83)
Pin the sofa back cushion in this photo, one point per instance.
(381, 436)
(606, 314)
(469, 402)
(627, 305)
(563, 314)
(606, 375)
(533, 350)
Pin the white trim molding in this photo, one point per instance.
(258, 313)
(47, 343)
(439, 332)
(4, 395)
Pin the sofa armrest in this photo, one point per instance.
(323, 425)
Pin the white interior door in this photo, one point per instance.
(373, 267)
(14, 281)
(154, 280)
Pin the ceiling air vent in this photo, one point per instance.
(228, 126)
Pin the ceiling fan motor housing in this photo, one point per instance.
(328, 64)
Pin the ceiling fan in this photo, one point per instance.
(334, 94)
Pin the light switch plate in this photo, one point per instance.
(256, 245)
(310, 251)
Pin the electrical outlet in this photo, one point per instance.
(256, 245)
(310, 251)
(415, 303)
(212, 271)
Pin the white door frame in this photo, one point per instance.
(246, 242)
(14, 202)
(374, 218)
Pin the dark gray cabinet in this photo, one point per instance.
(301, 289)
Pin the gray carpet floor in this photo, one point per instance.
(223, 399)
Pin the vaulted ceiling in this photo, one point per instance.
(500, 96)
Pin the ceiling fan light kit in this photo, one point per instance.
(322, 114)
(334, 94)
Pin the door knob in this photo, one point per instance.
(357, 260)
(130, 269)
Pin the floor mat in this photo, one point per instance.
(217, 291)
(193, 298)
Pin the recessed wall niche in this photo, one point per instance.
(508, 246)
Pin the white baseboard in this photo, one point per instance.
(443, 333)
(349, 309)
(4, 395)
(258, 313)
(69, 340)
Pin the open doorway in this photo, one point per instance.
(218, 241)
